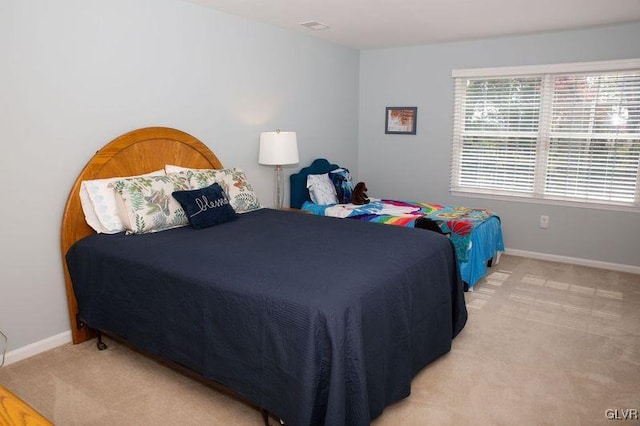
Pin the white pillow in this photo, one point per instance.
(146, 204)
(234, 182)
(321, 189)
(170, 168)
(89, 211)
(99, 203)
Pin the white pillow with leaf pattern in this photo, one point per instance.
(98, 202)
(240, 191)
(145, 204)
(233, 181)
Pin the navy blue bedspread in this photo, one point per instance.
(318, 320)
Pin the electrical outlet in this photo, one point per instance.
(544, 221)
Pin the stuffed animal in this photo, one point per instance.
(359, 196)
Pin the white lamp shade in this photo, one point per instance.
(278, 148)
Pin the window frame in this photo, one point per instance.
(546, 72)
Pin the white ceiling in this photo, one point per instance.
(365, 24)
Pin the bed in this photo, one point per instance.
(476, 233)
(273, 305)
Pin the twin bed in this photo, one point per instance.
(475, 233)
(273, 305)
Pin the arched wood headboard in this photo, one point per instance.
(134, 153)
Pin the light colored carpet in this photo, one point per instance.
(546, 343)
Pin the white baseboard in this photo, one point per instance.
(37, 347)
(574, 261)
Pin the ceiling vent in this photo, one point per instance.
(314, 25)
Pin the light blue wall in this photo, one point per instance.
(417, 167)
(74, 74)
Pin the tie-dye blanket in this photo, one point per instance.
(454, 220)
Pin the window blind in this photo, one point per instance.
(559, 136)
(594, 142)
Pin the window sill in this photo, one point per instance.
(547, 201)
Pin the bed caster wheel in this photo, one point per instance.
(100, 344)
(265, 418)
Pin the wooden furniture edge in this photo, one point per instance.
(137, 152)
(14, 411)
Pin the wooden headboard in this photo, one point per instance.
(134, 153)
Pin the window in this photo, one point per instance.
(564, 132)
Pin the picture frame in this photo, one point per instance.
(400, 120)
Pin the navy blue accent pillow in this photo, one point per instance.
(206, 207)
(341, 179)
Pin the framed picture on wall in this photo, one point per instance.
(400, 120)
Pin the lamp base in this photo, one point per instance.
(279, 190)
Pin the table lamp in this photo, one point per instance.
(278, 149)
